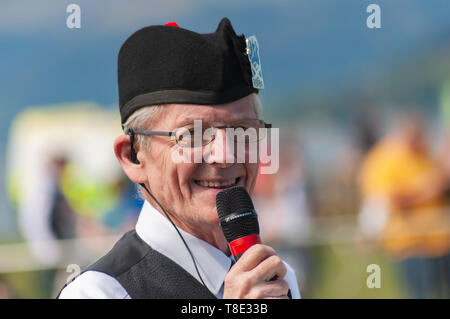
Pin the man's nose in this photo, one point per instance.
(222, 149)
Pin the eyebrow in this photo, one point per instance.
(190, 120)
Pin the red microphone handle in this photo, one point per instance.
(240, 245)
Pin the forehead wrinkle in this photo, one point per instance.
(212, 115)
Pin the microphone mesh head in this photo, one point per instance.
(236, 212)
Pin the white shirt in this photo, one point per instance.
(157, 231)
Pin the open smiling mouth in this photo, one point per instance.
(220, 185)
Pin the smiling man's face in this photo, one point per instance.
(188, 190)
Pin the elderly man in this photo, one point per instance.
(169, 78)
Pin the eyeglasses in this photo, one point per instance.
(200, 133)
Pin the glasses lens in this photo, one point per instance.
(243, 131)
(194, 136)
(183, 136)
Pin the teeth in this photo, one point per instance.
(216, 184)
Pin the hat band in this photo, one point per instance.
(184, 97)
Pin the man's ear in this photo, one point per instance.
(122, 149)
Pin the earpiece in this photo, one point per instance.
(133, 155)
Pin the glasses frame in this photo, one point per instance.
(173, 133)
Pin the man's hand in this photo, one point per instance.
(258, 274)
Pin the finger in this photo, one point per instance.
(253, 257)
(273, 289)
(269, 269)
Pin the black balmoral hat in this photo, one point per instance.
(167, 64)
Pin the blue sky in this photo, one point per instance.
(304, 44)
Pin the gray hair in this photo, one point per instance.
(140, 120)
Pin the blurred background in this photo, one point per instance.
(364, 118)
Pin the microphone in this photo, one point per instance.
(238, 219)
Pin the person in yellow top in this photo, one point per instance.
(406, 208)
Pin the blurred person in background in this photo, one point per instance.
(62, 217)
(65, 201)
(123, 216)
(45, 214)
(45, 217)
(405, 207)
(365, 128)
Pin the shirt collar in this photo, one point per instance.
(157, 231)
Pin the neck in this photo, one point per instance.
(213, 235)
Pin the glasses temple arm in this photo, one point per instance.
(160, 133)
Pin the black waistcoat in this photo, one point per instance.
(148, 274)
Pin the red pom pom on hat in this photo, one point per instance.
(172, 24)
